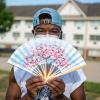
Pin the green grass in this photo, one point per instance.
(92, 89)
(4, 72)
(3, 83)
(4, 77)
(5, 54)
(93, 58)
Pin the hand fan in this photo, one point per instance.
(47, 57)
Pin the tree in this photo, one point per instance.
(6, 17)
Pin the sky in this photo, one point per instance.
(41, 2)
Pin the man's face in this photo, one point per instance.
(44, 29)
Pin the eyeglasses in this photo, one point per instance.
(44, 32)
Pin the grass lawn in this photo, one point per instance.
(5, 53)
(92, 89)
(4, 76)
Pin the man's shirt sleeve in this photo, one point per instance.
(72, 81)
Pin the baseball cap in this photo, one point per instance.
(55, 16)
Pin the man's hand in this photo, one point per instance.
(56, 86)
(33, 85)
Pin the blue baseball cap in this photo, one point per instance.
(55, 16)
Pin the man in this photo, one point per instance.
(24, 86)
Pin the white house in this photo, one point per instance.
(81, 26)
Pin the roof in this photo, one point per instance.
(90, 10)
(29, 11)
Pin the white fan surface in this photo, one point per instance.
(47, 57)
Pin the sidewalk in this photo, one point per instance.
(4, 65)
(92, 71)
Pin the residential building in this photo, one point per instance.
(81, 26)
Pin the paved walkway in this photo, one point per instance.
(92, 70)
(4, 65)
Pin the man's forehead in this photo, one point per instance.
(49, 25)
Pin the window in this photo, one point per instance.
(95, 27)
(63, 22)
(79, 24)
(63, 35)
(95, 37)
(94, 42)
(16, 34)
(29, 23)
(95, 23)
(78, 37)
(94, 52)
(16, 23)
(78, 27)
(28, 35)
(2, 35)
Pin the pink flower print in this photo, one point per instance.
(57, 54)
(47, 53)
(62, 62)
(26, 64)
(33, 62)
(39, 52)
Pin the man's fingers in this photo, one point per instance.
(54, 87)
(33, 89)
(56, 79)
(35, 85)
(58, 84)
(38, 84)
(54, 92)
(34, 79)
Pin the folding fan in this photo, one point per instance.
(47, 57)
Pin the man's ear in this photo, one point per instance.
(61, 35)
(33, 31)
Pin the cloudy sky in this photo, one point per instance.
(40, 2)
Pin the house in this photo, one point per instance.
(81, 26)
